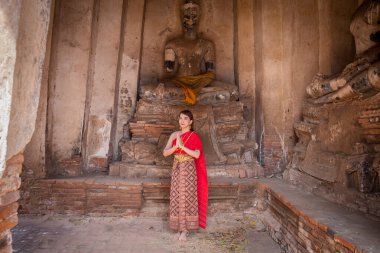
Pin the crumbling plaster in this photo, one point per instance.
(9, 29)
(24, 29)
(27, 23)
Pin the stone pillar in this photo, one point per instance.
(270, 83)
(245, 48)
(128, 70)
(35, 150)
(23, 27)
(287, 40)
(9, 28)
(68, 78)
(101, 84)
(245, 58)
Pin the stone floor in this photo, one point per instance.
(138, 234)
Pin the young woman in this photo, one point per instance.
(189, 185)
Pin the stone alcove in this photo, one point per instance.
(96, 54)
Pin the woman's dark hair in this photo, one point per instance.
(189, 114)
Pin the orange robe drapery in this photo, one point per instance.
(192, 85)
(193, 141)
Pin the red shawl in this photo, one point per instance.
(192, 141)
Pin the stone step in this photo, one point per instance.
(126, 170)
(115, 196)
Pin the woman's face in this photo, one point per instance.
(184, 121)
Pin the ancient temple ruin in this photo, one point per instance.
(89, 100)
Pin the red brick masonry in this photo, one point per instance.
(9, 195)
(112, 196)
(299, 232)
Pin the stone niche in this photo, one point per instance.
(107, 66)
(338, 150)
(219, 116)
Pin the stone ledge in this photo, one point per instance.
(128, 170)
(367, 203)
(304, 222)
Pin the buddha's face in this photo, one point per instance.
(372, 15)
(190, 16)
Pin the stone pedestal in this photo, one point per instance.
(218, 119)
(338, 152)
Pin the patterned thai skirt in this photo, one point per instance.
(183, 195)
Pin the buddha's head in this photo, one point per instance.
(190, 15)
(372, 13)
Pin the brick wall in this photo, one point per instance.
(9, 195)
(272, 155)
(113, 196)
(294, 231)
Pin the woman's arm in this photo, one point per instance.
(194, 153)
(169, 148)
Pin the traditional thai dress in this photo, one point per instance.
(189, 187)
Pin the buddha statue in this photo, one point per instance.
(189, 63)
(185, 55)
(361, 76)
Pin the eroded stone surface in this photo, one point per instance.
(221, 126)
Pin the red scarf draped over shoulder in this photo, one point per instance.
(193, 141)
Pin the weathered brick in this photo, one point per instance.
(9, 198)
(9, 184)
(8, 223)
(8, 210)
(5, 242)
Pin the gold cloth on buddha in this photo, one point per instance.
(192, 85)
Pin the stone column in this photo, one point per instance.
(68, 78)
(9, 29)
(23, 27)
(245, 62)
(101, 84)
(269, 81)
(128, 70)
(245, 48)
(287, 60)
(35, 150)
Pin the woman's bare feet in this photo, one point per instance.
(183, 236)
